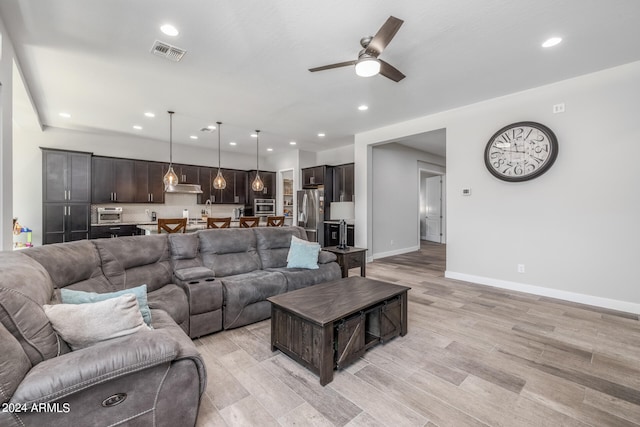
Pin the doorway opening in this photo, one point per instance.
(432, 206)
(286, 201)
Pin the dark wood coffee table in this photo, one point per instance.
(330, 325)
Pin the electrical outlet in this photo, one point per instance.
(146, 211)
(520, 268)
(558, 108)
(391, 242)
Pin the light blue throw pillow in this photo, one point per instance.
(303, 254)
(80, 297)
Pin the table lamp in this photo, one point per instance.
(342, 211)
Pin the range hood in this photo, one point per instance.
(183, 188)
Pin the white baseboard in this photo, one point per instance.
(396, 252)
(613, 304)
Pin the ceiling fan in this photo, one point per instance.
(368, 63)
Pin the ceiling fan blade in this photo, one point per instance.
(390, 72)
(328, 67)
(384, 36)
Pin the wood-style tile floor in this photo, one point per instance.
(474, 355)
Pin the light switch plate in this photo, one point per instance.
(466, 191)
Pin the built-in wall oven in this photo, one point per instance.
(264, 207)
(109, 215)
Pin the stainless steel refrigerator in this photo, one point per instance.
(311, 213)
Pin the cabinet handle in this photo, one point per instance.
(115, 196)
(152, 197)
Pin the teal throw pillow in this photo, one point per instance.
(80, 297)
(303, 254)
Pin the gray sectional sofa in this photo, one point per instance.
(197, 284)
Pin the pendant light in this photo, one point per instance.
(170, 178)
(219, 182)
(257, 184)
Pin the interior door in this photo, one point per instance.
(434, 209)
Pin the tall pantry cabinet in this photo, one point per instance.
(66, 195)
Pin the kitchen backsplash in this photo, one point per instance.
(174, 204)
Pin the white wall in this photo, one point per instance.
(396, 198)
(576, 227)
(336, 156)
(6, 140)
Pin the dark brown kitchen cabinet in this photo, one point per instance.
(149, 187)
(66, 176)
(65, 222)
(343, 183)
(332, 234)
(66, 195)
(236, 189)
(205, 175)
(269, 191)
(113, 180)
(317, 175)
(187, 174)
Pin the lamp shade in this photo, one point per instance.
(342, 210)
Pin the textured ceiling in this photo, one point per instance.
(246, 62)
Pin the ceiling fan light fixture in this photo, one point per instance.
(367, 66)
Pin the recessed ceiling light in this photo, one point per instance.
(292, 143)
(232, 143)
(321, 134)
(169, 30)
(212, 127)
(193, 137)
(363, 108)
(149, 114)
(137, 127)
(269, 149)
(65, 115)
(552, 41)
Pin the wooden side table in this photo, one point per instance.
(350, 258)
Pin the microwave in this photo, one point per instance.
(109, 215)
(264, 207)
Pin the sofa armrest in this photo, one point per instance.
(325, 257)
(72, 372)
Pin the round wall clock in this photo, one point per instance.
(521, 151)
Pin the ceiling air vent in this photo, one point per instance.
(165, 50)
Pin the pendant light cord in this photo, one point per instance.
(170, 138)
(257, 152)
(219, 129)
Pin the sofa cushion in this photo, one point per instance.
(14, 364)
(70, 296)
(229, 251)
(82, 325)
(183, 246)
(133, 260)
(173, 300)
(243, 290)
(25, 286)
(273, 244)
(75, 264)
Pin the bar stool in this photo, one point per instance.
(172, 225)
(219, 222)
(249, 221)
(275, 221)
